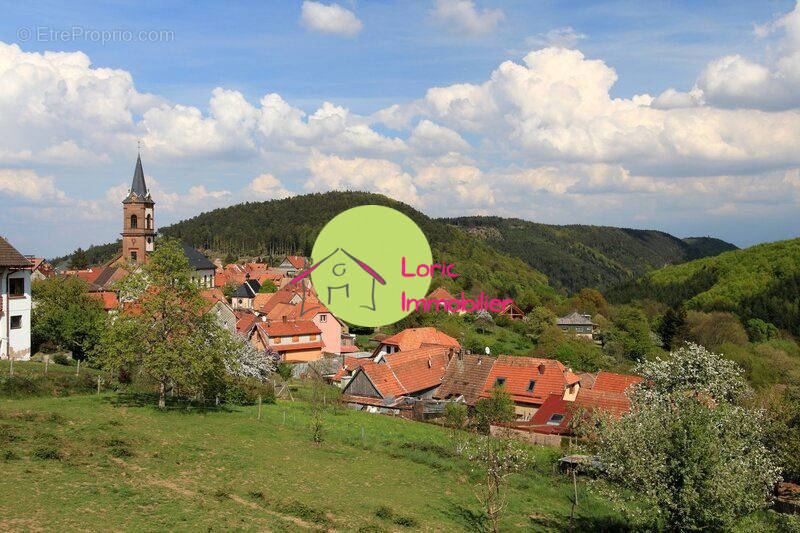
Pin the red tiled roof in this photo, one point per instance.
(555, 404)
(289, 328)
(245, 322)
(107, 298)
(407, 372)
(440, 294)
(611, 382)
(413, 338)
(384, 379)
(549, 375)
(89, 275)
(616, 403)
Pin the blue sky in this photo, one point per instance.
(549, 111)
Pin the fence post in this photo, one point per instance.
(98, 385)
(259, 407)
(46, 362)
(284, 417)
(78, 370)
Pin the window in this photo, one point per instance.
(149, 240)
(134, 255)
(499, 382)
(323, 318)
(16, 322)
(134, 221)
(149, 222)
(555, 419)
(295, 338)
(276, 340)
(312, 337)
(16, 286)
(531, 385)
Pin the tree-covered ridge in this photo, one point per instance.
(758, 282)
(578, 256)
(291, 225)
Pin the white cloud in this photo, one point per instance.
(26, 183)
(267, 187)
(330, 172)
(464, 16)
(734, 81)
(564, 37)
(331, 18)
(430, 138)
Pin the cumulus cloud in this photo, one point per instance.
(330, 172)
(330, 18)
(464, 16)
(267, 187)
(27, 184)
(735, 81)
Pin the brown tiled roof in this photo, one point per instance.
(413, 338)
(296, 347)
(465, 375)
(10, 257)
(245, 321)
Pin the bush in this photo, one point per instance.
(247, 391)
(47, 453)
(760, 331)
(61, 359)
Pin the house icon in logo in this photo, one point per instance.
(342, 278)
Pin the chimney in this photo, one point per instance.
(541, 368)
(450, 353)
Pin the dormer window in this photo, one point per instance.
(134, 221)
(555, 419)
(531, 385)
(499, 382)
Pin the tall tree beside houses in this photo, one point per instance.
(15, 303)
(167, 334)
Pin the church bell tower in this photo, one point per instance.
(138, 224)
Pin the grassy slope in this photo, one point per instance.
(578, 256)
(130, 467)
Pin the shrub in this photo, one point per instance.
(61, 359)
(760, 331)
(47, 453)
(247, 391)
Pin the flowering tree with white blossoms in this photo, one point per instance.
(250, 362)
(689, 454)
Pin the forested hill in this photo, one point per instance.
(758, 282)
(578, 256)
(291, 225)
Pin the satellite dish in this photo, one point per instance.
(487, 350)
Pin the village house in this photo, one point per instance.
(220, 309)
(292, 265)
(577, 323)
(202, 269)
(397, 381)
(108, 299)
(296, 341)
(413, 338)
(245, 294)
(15, 303)
(333, 330)
(601, 392)
(530, 381)
(40, 269)
(442, 294)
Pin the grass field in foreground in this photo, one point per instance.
(109, 462)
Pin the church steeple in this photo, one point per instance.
(138, 186)
(138, 224)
